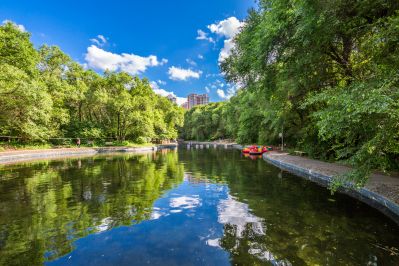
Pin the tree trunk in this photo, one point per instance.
(80, 111)
(118, 128)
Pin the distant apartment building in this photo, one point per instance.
(171, 98)
(197, 99)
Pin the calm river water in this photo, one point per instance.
(182, 207)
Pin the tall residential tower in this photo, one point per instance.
(197, 99)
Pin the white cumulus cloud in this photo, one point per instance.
(18, 26)
(176, 73)
(226, 50)
(227, 29)
(133, 64)
(155, 87)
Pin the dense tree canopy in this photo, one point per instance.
(323, 72)
(44, 94)
(205, 122)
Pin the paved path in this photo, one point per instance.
(387, 186)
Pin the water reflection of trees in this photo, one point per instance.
(45, 206)
(303, 223)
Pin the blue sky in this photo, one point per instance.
(176, 44)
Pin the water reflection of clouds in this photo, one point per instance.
(158, 213)
(237, 214)
(185, 202)
(177, 204)
(266, 255)
(213, 242)
(229, 212)
(104, 225)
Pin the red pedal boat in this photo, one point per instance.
(257, 150)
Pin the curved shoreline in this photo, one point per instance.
(368, 194)
(324, 175)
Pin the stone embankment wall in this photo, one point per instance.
(321, 173)
(381, 192)
(25, 155)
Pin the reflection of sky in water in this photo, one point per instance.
(185, 202)
(181, 223)
(228, 210)
(185, 227)
(237, 214)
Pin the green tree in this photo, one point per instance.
(205, 122)
(325, 72)
(44, 93)
(25, 105)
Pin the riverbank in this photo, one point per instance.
(7, 157)
(381, 191)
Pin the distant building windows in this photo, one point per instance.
(192, 100)
(196, 99)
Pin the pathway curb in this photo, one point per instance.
(20, 156)
(373, 199)
(365, 195)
